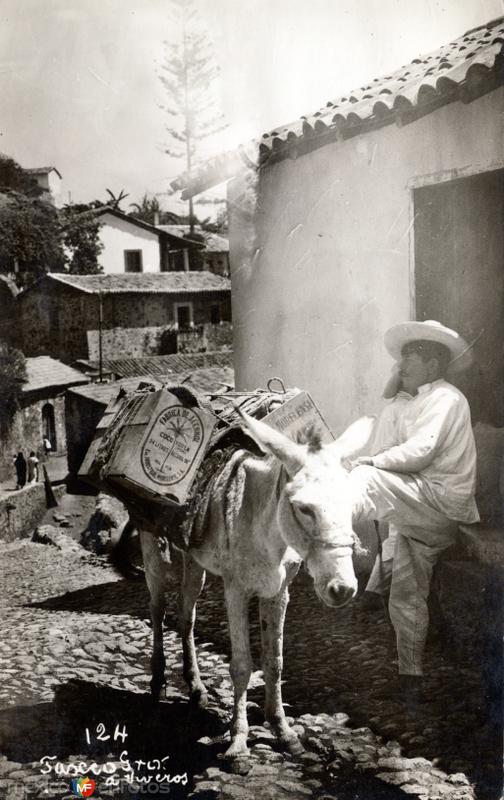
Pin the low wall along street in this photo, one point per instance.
(21, 511)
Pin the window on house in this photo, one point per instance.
(184, 315)
(215, 313)
(133, 260)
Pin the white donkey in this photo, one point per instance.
(292, 506)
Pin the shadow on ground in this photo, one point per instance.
(115, 597)
(28, 733)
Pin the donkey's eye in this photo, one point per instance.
(306, 511)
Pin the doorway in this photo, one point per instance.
(459, 277)
(48, 425)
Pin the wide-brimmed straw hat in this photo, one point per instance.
(432, 331)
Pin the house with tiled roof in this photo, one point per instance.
(94, 317)
(131, 245)
(385, 204)
(49, 179)
(41, 414)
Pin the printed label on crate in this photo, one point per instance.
(296, 414)
(172, 445)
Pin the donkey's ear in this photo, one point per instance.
(291, 454)
(355, 439)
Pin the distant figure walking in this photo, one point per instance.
(20, 466)
(33, 469)
(47, 447)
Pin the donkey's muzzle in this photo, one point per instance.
(339, 594)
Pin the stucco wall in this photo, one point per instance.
(82, 416)
(118, 235)
(321, 263)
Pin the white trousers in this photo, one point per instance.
(420, 533)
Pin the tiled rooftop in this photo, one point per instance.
(214, 242)
(145, 282)
(45, 372)
(165, 365)
(42, 171)
(462, 70)
(205, 380)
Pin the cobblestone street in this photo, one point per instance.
(76, 646)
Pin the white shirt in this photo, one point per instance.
(436, 443)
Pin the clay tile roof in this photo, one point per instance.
(45, 372)
(205, 380)
(42, 171)
(214, 242)
(165, 365)
(145, 282)
(461, 70)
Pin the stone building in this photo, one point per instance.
(41, 413)
(84, 316)
(384, 205)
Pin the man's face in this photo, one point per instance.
(413, 371)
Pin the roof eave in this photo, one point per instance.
(478, 81)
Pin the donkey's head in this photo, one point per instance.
(314, 507)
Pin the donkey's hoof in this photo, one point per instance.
(199, 698)
(156, 688)
(292, 745)
(240, 766)
(237, 749)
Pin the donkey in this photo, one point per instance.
(291, 506)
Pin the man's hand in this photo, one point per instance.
(362, 461)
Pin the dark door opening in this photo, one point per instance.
(459, 277)
(48, 425)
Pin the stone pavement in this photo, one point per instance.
(75, 670)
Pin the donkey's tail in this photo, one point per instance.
(119, 556)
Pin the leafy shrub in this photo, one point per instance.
(12, 377)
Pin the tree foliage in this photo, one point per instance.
(188, 75)
(30, 242)
(80, 231)
(12, 376)
(14, 178)
(149, 209)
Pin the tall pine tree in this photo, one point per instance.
(188, 74)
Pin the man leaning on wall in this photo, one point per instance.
(422, 482)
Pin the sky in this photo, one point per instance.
(80, 90)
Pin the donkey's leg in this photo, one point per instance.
(272, 614)
(156, 560)
(192, 583)
(240, 668)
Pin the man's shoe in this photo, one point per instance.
(411, 691)
(406, 690)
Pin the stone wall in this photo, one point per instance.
(54, 320)
(218, 337)
(63, 323)
(131, 342)
(26, 433)
(22, 511)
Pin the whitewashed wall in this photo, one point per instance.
(325, 265)
(119, 235)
